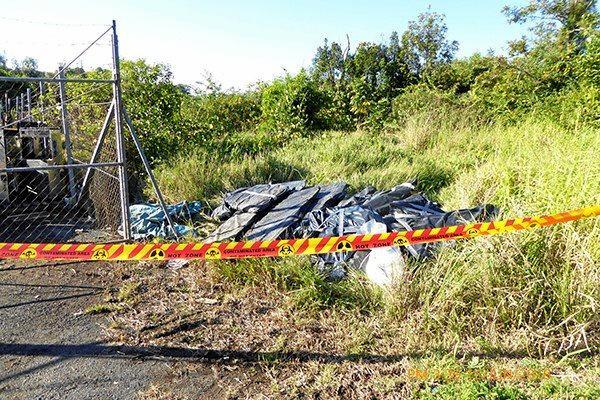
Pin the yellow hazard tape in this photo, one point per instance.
(281, 248)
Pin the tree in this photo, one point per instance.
(397, 72)
(369, 63)
(329, 62)
(425, 44)
(207, 86)
(27, 66)
(568, 22)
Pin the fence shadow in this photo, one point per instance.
(208, 356)
(61, 352)
(49, 300)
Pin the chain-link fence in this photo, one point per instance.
(62, 175)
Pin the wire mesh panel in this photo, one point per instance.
(59, 161)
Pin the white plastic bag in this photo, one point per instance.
(385, 265)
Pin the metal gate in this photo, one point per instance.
(63, 163)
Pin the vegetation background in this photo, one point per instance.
(510, 317)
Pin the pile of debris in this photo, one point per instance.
(294, 210)
(148, 221)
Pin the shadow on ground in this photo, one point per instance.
(212, 356)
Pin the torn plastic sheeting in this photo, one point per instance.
(283, 216)
(321, 212)
(414, 206)
(254, 199)
(249, 204)
(261, 203)
(456, 217)
(149, 220)
(417, 212)
(358, 198)
(328, 196)
(233, 228)
(381, 202)
(405, 211)
(344, 221)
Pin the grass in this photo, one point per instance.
(279, 348)
(101, 308)
(127, 292)
(529, 295)
(126, 295)
(305, 287)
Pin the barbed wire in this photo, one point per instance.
(36, 96)
(64, 67)
(54, 44)
(100, 41)
(62, 24)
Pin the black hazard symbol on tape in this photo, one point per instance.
(401, 241)
(344, 245)
(100, 254)
(212, 254)
(286, 250)
(472, 232)
(28, 253)
(157, 254)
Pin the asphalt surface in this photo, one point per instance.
(51, 349)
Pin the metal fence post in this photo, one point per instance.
(29, 104)
(153, 182)
(66, 129)
(41, 98)
(96, 154)
(123, 182)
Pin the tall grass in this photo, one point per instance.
(535, 292)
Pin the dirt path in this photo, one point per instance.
(50, 349)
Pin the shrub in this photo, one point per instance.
(460, 75)
(214, 115)
(336, 113)
(153, 102)
(588, 68)
(291, 105)
(369, 108)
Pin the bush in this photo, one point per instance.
(588, 67)
(154, 103)
(573, 108)
(336, 113)
(291, 105)
(369, 108)
(212, 116)
(459, 76)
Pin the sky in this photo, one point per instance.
(237, 42)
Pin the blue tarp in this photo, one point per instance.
(149, 221)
